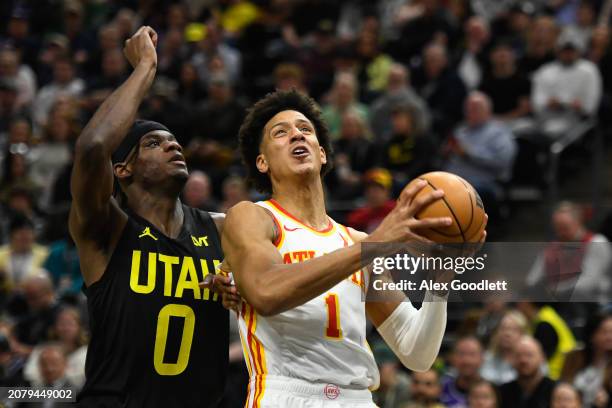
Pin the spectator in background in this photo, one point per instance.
(15, 173)
(566, 396)
(171, 54)
(63, 266)
(318, 58)
(11, 68)
(374, 66)
(342, 98)
(566, 90)
(585, 368)
(482, 151)
(398, 92)
(18, 34)
(378, 187)
(582, 28)
(507, 88)
(531, 389)
(466, 360)
(443, 90)
(21, 257)
(483, 395)
(109, 39)
(425, 390)
(9, 107)
(34, 327)
(65, 83)
(197, 192)
(395, 389)
(55, 47)
(541, 37)
(70, 336)
(52, 365)
(51, 156)
(190, 89)
(354, 154)
(551, 333)
(212, 46)
(498, 366)
(113, 73)
(289, 76)
(11, 363)
(410, 152)
(578, 271)
(472, 64)
(234, 191)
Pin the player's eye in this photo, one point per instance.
(153, 143)
(305, 129)
(279, 132)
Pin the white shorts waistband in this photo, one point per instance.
(324, 391)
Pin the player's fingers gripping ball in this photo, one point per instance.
(461, 203)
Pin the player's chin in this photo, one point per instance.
(180, 173)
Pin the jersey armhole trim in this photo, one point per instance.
(279, 235)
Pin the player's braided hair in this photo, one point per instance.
(251, 131)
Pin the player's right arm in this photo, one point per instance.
(95, 219)
(271, 286)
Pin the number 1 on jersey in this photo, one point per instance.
(333, 330)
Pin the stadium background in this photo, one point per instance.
(406, 86)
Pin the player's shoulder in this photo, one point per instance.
(248, 215)
(356, 235)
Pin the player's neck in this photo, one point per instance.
(305, 202)
(165, 213)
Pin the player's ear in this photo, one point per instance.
(323, 155)
(262, 163)
(122, 170)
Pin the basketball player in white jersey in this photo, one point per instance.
(303, 321)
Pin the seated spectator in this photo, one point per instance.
(318, 58)
(374, 67)
(566, 90)
(473, 61)
(483, 395)
(541, 37)
(398, 92)
(63, 266)
(21, 257)
(113, 73)
(507, 88)
(11, 68)
(64, 83)
(552, 334)
(190, 89)
(52, 365)
(378, 187)
(582, 28)
(289, 76)
(15, 174)
(342, 98)
(211, 46)
(531, 389)
(53, 154)
(482, 150)
(443, 90)
(197, 192)
(70, 336)
(410, 152)
(11, 364)
(34, 327)
(425, 390)
(234, 191)
(466, 360)
(498, 366)
(585, 368)
(566, 396)
(354, 154)
(394, 390)
(9, 108)
(579, 271)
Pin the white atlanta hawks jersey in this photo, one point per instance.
(321, 341)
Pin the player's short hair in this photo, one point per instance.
(251, 131)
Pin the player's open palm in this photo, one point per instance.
(400, 225)
(140, 48)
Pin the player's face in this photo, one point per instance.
(159, 158)
(290, 147)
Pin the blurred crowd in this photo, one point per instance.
(476, 87)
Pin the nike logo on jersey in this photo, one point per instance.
(199, 241)
(147, 233)
(291, 229)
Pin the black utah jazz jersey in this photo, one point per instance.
(158, 340)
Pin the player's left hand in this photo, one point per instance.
(224, 286)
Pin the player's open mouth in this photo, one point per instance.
(300, 151)
(178, 159)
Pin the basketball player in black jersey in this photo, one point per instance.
(158, 339)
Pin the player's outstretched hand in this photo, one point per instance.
(140, 48)
(400, 225)
(223, 285)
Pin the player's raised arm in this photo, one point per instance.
(272, 287)
(93, 217)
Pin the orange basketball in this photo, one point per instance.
(461, 203)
